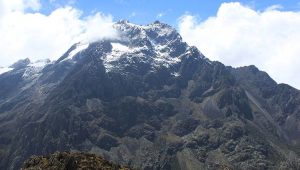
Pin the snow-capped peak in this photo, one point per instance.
(153, 46)
(154, 29)
(156, 44)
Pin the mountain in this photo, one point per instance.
(148, 100)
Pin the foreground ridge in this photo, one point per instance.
(70, 161)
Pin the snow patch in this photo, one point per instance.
(39, 63)
(165, 60)
(119, 47)
(163, 56)
(5, 69)
(79, 47)
(118, 50)
(33, 70)
(175, 74)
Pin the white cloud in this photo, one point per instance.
(62, 3)
(38, 36)
(239, 35)
(19, 5)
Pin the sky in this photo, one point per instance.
(264, 33)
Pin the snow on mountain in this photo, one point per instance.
(155, 44)
(5, 69)
(160, 57)
(119, 47)
(39, 63)
(117, 51)
(33, 69)
(160, 28)
(79, 47)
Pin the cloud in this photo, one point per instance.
(27, 33)
(239, 36)
(19, 5)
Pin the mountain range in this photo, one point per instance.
(148, 100)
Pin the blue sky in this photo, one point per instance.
(147, 11)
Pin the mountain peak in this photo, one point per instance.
(156, 22)
(123, 21)
(21, 63)
(157, 26)
(156, 45)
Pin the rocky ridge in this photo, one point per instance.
(70, 161)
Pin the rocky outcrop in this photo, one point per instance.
(69, 161)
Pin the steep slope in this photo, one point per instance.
(150, 101)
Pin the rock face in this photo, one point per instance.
(70, 161)
(148, 100)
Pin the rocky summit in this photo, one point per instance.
(148, 100)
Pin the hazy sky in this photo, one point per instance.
(263, 32)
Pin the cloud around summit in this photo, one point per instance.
(27, 33)
(239, 35)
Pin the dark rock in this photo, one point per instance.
(106, 142)
(186, 126)
(20, 64)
